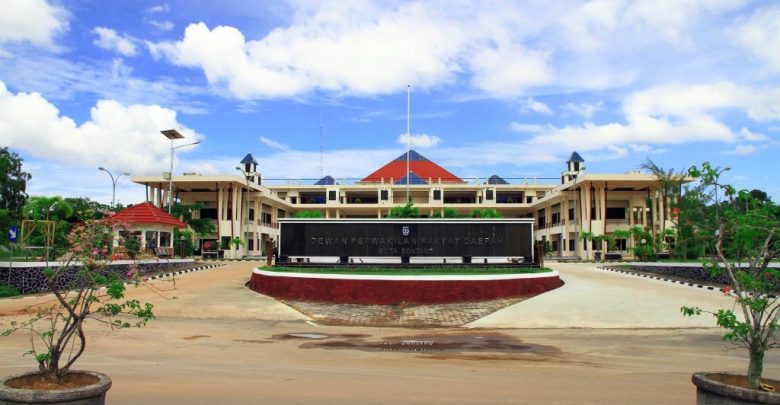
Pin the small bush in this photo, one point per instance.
(8, 291)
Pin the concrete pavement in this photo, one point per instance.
(593, 298)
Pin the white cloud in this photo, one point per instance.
(273, 144)
(531, 105)
(35, 21)
(59, 79)
(365, 48)
(419, 140)
(584, 110)
(109, 39)
(750, 136)
(761, 34)
(126, 138)
(742, 150)
(160, 8)
(529, 128)
(163, 25)
(672, 115)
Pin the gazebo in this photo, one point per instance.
(153, 226)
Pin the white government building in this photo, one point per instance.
(248, 208)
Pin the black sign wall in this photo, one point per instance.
(413, 237)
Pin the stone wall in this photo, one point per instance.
(31, 279)
(697, 273)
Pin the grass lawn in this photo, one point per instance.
(431, 271)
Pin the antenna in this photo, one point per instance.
(322, 159)
(408, 135)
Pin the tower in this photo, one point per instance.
(574, 166)
(250, 168)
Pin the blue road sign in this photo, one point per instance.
(13, 234)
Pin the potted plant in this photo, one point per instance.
(745, 238)
(58, 338)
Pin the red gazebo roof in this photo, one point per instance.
(147, 213)
(419, 164)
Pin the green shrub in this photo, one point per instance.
(307, 214)
(8, 291)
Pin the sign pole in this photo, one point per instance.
(12, 234)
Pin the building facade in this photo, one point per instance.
(247, 207)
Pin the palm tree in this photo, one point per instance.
(671, 183)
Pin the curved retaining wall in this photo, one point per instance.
(383, 290)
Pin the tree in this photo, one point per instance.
(745, 237)
(671, 182)
(42, 208)
(13, 181)
(201, 227)
(407, 211)
(448, 212)
(85, 209)
(236, 242)
(57, 331)
(186, 243)
(484, 213)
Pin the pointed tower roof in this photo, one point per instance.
(413, 179)
(575, 157)
(147, 213)
(326, 181)
(419, 164)
(496, 179)
(248, 159)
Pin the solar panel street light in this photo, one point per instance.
(173, 134)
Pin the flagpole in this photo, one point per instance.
(409, 136)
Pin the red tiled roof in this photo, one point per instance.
(147, 213)
(418, 164)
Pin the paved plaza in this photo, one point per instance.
(602, 338)
(408, 315)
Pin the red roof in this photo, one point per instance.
(147, 213)
(418, 164)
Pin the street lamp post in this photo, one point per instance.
(114, 180)
(173, 134)
(247, 176)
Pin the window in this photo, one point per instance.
(571, 245)
(593, 213)
(596, 245)
(616, 213)
(251, 244)
(571, 214)
(383, 195)
(208, 213)
(225, 242)
(529, 199)
(165, 239)
(332, 195)
(556, 217)
(489, 194)
(293, 200)
(436, 195)
(151, 239)
(251, 214)
(621, 244)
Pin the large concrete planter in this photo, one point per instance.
(93, 394)
(718, 389)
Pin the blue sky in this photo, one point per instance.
(497, 87)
